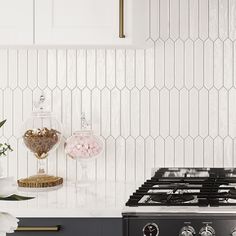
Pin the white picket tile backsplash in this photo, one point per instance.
(169, 105)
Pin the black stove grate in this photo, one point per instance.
(187, 187)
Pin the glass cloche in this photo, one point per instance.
(41, 135)
(83, 146)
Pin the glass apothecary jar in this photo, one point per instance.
(83, 146)
(41, 134)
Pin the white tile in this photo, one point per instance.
(198, 152)
(71, 68)
(218, 152)
(193, 19)
(4, 68)
(232, 17)
(169, 152)
(174, 19)
(155, 19)
(61, 68)
(159, 63)
(125, 121)
(13, 68)
(100, 68)
(189, 152)
(193, 113)
(184, 19)
(203, 19)
(223, 19)
(120, 159)
(189, 64)
(218, 64)
(179, 152)
(140, 159)
(164, 113)
(22, 68)
(208, 152)
(213, 19)
(184, 119)
(174, 113)
(120, 68)
(91, 68)
(135, 113)
(81, 68)
(115, 113)
(169, 64)
(140, 70)
(105, 113)
(130, 68)
(154, 113)
(8, 112)
(145, 113)
(150, 156)
(228, 152)
(130, 159)
(42, 68)
(228, 64)
(223, 113)
(160, 152)
(232, 113)
(110, 159)
(203, 113)
(150, 67)
(179, 64)
(208, 64)
(110, 68)
(198, 64)
(164, 19)
(213, 113)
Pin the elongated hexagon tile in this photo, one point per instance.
(213, 19)
(199, 152)
(228, 64)
(203, 113)
(189, 64)
(120, 68)
(174, 113)
(169, 64)
(218, 64)
(203, 19)
(164, 19)
(184, 19)
(194, 113)
(154, 112)
(208, 64)
(179, 66)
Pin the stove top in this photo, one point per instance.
(203, 187)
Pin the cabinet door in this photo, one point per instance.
(82, 22)
(71, 227)
(16, 22)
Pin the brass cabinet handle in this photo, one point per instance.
(38, 228)
(121, 19)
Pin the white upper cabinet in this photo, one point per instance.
(91, 22)
(16, 22)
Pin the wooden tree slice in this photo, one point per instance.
(40, 181)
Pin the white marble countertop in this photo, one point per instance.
(101, 199)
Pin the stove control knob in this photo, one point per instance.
(150, 229)
(207, 231)
(187, 231)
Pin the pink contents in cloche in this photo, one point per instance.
(83, 145)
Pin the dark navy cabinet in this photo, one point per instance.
(69, 227)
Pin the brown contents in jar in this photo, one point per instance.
(41, 141)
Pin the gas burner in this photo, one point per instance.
(188, 187)
(166, 198)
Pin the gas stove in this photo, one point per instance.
(184, 202)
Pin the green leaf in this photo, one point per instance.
(2, 123)
(15, 197)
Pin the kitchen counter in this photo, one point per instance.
(101, 199)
